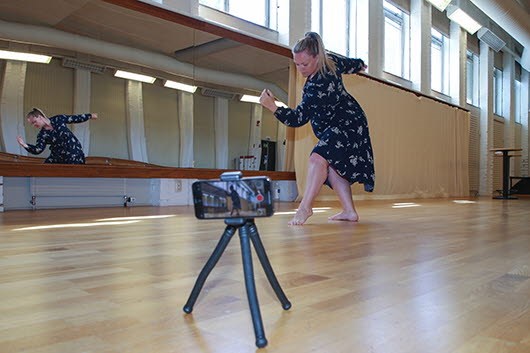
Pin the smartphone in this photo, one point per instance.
(241, 198)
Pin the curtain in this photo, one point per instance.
(420, 145)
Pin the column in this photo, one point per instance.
(185, 116)
(135, 122)
(508, 101)
(525, 137)
(294, 20)
(458, 59)
(420, 44)
(376, 37)
(221, 132)
(12, 113)
(82, 105)
(281, 146)
(254, 143)
(486, 120)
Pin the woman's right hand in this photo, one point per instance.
(21, 142)
(267, 100)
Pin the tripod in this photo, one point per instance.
(247, 229)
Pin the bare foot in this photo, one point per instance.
(345, 216)
(301, 216)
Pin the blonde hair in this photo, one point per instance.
(35, 113)
(313, 45)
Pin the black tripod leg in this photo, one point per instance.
(262, 255)
(248, 270)
(208, 267)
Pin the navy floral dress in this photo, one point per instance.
(338, 121)
(64, 146)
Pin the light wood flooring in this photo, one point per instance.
(425, 276)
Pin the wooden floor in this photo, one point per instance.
(426, 276)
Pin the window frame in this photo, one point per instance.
(401, 21)
(497, 91)
(442, 42)
(271, 17)
(472, 78)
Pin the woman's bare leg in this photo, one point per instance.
(317, 172)
(343, 189)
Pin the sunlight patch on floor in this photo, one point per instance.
(135, 218)
(405, 205)
(75, 225)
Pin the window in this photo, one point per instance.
(397, 47)
(518, 103)
(341, 24)
(439, 62)
(261, 12)
(332, 23)
(472, 78)
(497, 91)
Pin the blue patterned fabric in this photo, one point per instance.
(338, 121)
(64, 146)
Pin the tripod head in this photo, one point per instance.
(231, 176)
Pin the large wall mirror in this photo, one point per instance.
(90, 39)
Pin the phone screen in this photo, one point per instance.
(243, 198)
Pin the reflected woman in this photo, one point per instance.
(65, 148)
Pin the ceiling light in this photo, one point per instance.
(180, 86)
(255, 99)
(36, 58)
(440, 4)
(465, 21)
(135, 77)
(249, 98)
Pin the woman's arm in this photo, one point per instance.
(75, 119)
(347, 65)
(312, 99)
(21, 142)
(39, 146)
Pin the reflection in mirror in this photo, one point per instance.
(210, 128)
(229, 133)
(236, 131)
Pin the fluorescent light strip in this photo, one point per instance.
(249, 98)
(440, 4)
(36, 58)
(255, 99)
(464, 20)
(135, 77)
(180, 86)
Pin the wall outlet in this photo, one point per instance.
(178, 185)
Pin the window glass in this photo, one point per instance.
(341, 25)
(396, 41)
(439, 62)
(261, 12)
(216, 4)
(497, 91)
(469, 78)
(518, 103)
(334, 30)
(254, 11)
(436, 60)
(472, 78)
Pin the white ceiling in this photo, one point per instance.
(113, 23)
(108, 22)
